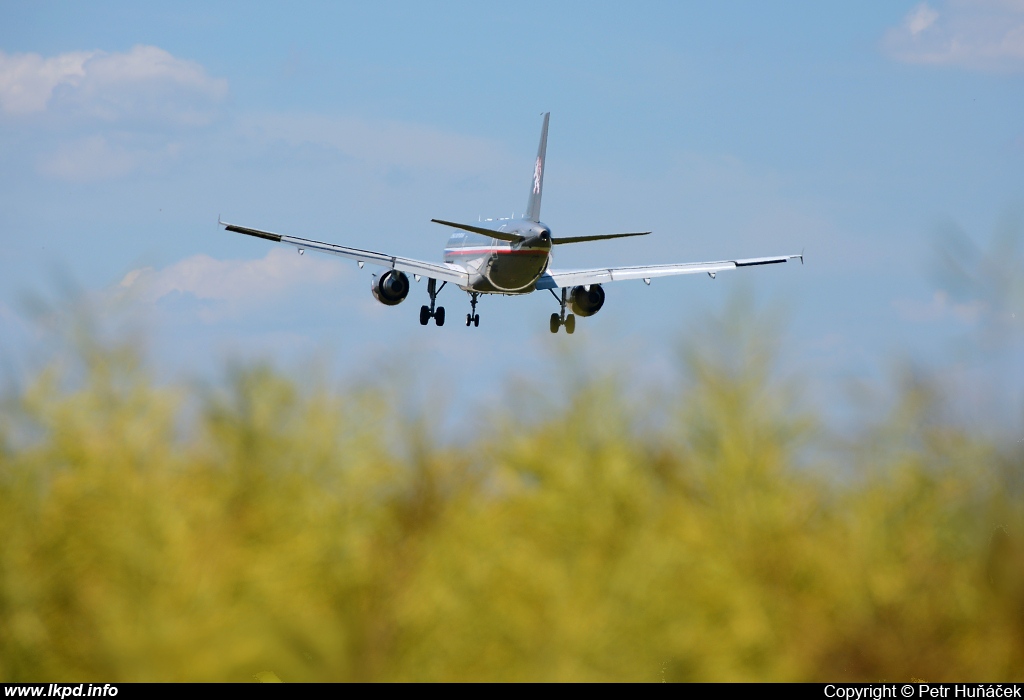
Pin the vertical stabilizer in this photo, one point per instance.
(537, 184)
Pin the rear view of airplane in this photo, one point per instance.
(506, 256)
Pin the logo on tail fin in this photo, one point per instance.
(537, 170)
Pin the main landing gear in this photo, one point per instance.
(473, 317)
(560, 319)
(428, 312)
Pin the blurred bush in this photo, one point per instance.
(286, 530)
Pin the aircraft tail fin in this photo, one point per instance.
(537, 185)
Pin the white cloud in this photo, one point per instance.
(146, 82)
(27, 80)
(239, 283)
(976, 34)
(921, 18)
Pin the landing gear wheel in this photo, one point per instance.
(473, 318)
(429, 312)
(570, 323)
(555, 323)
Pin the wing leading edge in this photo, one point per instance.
(554, 279)
(443, 272)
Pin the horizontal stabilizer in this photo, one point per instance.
(602, 237)
(500, 235)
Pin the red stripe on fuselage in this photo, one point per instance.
(494, 251)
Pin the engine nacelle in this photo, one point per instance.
(586, 301)
(390, 288)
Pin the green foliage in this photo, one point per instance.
(286, 532)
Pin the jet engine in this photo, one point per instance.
(586, 301)
(390, 288)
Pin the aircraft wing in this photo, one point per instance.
(555, 279)
(442, 271)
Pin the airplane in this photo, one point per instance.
(506, 256)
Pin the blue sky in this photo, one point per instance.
(855, 133)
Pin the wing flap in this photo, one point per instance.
(554, 279)
(445, 272)
(276, 237)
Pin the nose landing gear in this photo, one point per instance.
(429, 312)
(561, 319)
(473, 318)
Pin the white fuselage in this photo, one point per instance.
(499, 267)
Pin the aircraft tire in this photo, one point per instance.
(570, 324)
(476, 321)
(469, 320)
(555, 323)
(424, 315)
(439, 316)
